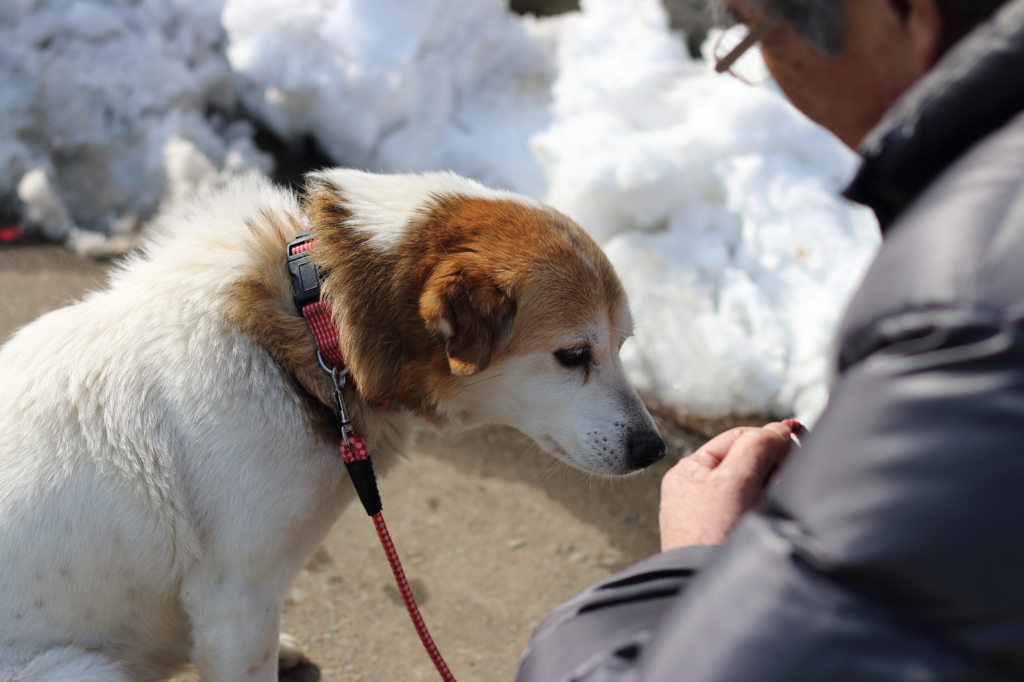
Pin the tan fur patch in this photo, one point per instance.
(260, 305)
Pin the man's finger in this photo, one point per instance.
(714, 451)
(756, 452)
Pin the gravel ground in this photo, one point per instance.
(493, 532)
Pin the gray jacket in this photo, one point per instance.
(892, 546)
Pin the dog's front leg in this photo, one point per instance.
(234, 629)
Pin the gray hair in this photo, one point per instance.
(819, 22)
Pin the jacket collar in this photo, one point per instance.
(974, 90)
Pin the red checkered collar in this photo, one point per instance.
(306, 290)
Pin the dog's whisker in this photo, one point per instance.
(522, 456)
(480, 381)
(553, 467)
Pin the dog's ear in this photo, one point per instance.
(470, 311)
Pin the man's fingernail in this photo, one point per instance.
(796, 426)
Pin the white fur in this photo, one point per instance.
(383, 206)
(159, 487)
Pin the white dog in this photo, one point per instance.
(168, 446)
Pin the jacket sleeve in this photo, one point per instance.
(598, 634)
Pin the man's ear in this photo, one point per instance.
(468, 310)
(924, 33)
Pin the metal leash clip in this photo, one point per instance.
(338, 375)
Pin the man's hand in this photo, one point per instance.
(705, 494)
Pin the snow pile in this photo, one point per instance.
(400, 85)
(718, 205)
(104, 110)
(717, 202)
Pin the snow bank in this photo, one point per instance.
(717, 202)
(400, 85)
(100, 103)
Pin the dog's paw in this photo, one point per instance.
(292, 664)
(304, 672)
(290, 654)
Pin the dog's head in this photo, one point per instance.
(472, 306)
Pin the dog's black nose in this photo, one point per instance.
(645, 449)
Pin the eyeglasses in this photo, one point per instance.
(732, 53)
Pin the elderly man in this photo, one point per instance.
(892, 545)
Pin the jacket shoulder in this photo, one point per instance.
(953, 259)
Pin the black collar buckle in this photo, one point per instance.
(305, 277)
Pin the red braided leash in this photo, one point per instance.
(358, 452)
(305, 282)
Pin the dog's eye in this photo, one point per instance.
(574, 357)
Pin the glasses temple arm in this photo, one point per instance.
(726, 62)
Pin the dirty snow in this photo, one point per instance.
(98, 100)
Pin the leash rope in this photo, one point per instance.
(317, 312)
(357, 452)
